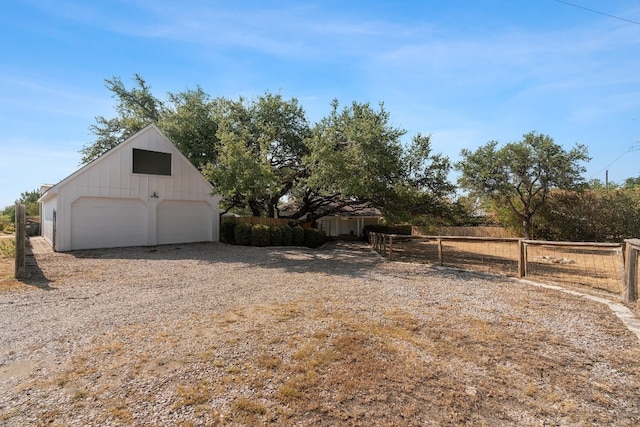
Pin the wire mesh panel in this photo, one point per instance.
(498, 256)
(593, 267)
(493, 256)
(590, 266)
(419, 250)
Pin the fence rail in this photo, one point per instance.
(598, 266)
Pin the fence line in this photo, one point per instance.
(479, 231)
(600, 266)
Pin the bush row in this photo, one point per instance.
(270, 235)
(386, 229)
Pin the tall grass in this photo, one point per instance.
(7, 248)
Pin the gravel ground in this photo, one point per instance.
(212, 334)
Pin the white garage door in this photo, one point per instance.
(107, 223)
(181, 221)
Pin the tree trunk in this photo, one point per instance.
(255, 208)
(526, 228)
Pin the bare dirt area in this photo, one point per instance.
(587, 269)
(212, 334)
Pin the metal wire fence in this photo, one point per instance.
(588, 266)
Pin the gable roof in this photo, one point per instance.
(53, 190)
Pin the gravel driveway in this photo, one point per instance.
(212, 334)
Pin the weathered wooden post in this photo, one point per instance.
(440, 253)
(522, 259)
(631, 270)
(390, 246)
(21, 236)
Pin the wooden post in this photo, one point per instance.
(21, 236)
(630, 273)
(440, 254)
(384, 244)
(390, 247)
(522, 259)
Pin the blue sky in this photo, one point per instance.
(465, 72)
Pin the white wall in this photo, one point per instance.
(111, 177)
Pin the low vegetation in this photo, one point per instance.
(7, 248)
(246, 234)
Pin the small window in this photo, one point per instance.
(151, 162)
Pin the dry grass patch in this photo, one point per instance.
(193, 394)
(7, 270)
(425, 365)
(400, 345)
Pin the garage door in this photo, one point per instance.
(181, 221)
(107, 223)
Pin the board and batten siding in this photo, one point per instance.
(103, 188)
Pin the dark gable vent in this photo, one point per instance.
(151, 162)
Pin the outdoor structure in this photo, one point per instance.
(143, 192)
(349, 221)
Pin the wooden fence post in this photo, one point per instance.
(390, 246)
(630, 273)
(440, 254)
(21, 236)
(522, 258)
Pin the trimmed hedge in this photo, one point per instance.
(313, 238)
(264, 235)
(242, 234)
(227, 232)
(287, 235)
(276, 235)
(260, 235)
(297, 236)
(387, 229)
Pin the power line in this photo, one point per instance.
(630, 150)
(598, 12)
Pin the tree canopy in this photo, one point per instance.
(260, 158)
(521, 174)
(258, 153)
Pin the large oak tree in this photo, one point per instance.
(521, 174)
(258, 153)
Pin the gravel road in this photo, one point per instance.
(212, 334)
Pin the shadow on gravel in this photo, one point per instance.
(342, 258)
(34, 274)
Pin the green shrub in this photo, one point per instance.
(7, 248)
(227, 230)
(242, 234)
(314, 238)
(5, 222)
(387, 229)
(297, 236)
(323, 237)
(276, 235)
(260, 235)
(287, 235)
(310, 237)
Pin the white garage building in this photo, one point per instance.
(143, 192)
